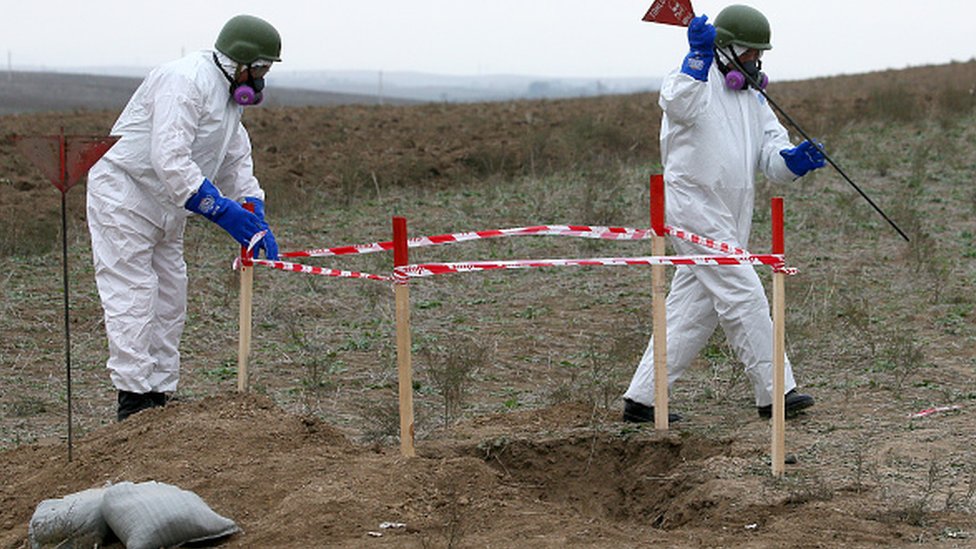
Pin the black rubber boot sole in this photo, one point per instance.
(635, 412)
(795, 403)
(131, 403)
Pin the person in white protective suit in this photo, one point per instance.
(717, 131)
(182, 150)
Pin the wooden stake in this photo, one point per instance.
(779, 346)
(244, 339)
(244, 315)
(660, 316)
(404, 366)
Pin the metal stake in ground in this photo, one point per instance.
(64, 160)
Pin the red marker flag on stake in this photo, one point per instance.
(670, 12)
(64, 159)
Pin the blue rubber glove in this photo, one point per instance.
(231, 216)
(701, 40)
(804, 158)
(267, 243)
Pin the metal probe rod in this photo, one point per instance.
(754, 84)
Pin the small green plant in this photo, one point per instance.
(806, 488)
(598, 373)
(964, 501)
(319, 365)
(450, 370)
(901, 357)
(224, 372)
(725, 371)
(453, 528)
(28, 406)
(916, 509)
(382, 419)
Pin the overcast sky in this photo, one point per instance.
(593, 38)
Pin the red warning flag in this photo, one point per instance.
(670, 12)
(64, 159)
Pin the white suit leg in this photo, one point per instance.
(743, 313)
(691, 319)
(170, 311)
(122, 244)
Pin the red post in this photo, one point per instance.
(400, 255)
(659, 311)
(779, 246)
(404, 361)
(657, 204)
(778, 443)
(244, 253)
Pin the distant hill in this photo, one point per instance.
(97, 88)
(460, 88)
(23, 91)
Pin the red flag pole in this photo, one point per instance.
(778, 451)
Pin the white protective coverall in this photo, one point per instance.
(179, 127)
(713, 141)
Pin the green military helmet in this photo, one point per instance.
(246, 39)
(742, 26)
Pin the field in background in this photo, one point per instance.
(518, 374)
(38, 92)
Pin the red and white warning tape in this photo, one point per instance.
(737, 256)
(432, 269)
(702, 241)
(308, 269)
(722, 247)
(583, 231)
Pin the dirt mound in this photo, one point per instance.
(547, 477)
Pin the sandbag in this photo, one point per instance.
(151, 515)
(72, 522)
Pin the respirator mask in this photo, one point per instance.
(736, 71)
(248, 92)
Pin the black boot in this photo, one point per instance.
(158, 399)
(794, 403)
(635, 412)
(130, 403)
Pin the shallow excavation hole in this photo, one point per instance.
(607, 477)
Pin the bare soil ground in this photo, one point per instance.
(530, 452)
